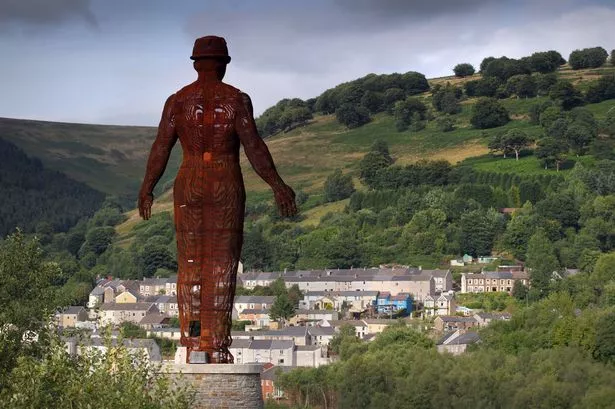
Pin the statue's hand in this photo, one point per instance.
(145, 205)
(285, 200)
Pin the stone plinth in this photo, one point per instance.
(220, 386)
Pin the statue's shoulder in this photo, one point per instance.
(230, 90)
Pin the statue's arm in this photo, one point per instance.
(256, 150)
(161, 149)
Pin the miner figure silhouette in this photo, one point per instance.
(211, 119)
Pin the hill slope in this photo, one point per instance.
(32, 194)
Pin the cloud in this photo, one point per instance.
(46, 12)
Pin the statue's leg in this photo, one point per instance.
(220, 282)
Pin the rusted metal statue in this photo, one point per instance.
(210, 119)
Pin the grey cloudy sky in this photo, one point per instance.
(115, 62)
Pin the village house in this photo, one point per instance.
(453, 322)
(456, 342)
(127, 296)
(154, 321)
(387, 303)
(147, 348)
(416, 282)
(258, 317)
(321, 336)
(485, 318)
(298, 335)
(153, 286)
(337, 300)
(251, 302)
(71, 316)
(312, 317)
(492, 281)
(376, 326)
(360, 326)
(115, 314)
(269, 377)
(277, 352)
(443, 304)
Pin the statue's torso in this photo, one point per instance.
(204, 115)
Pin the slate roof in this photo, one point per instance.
(354, 323)
(240, 343)
(255, 311)
(153, 319)
(453, 318)
(271, 374)
(307, 348)
(451, 338)
(137, 306)
(271, 344)
(321, 331)
(72, 310)
(254, 299)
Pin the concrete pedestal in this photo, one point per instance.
(220, 386)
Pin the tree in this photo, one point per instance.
(552, 152)
(282, 308)
(612, 58)
(98, 239)
(478, 231)
(519, 290)
(338, 186)
(515, 140)
(604, 350)
(579, 138)
(373, 101)
(588, 58)
(566, 95)
(488, 113)
(541, 260)
(28, 298)
(446, 99)
(353, 116)
(463, 70)
(484, 87)
(545, 62)
(404, 112)
(155, 256)
(59, 380)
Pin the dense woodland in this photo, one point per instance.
(557, 351)
(39, 199)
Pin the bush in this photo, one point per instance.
(464, 70)
(488, 113)
(338, 186)
(445, 124)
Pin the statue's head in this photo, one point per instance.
(210, 53)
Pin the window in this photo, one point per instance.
(280, 361)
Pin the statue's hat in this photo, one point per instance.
(210, 46)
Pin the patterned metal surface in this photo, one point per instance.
(211, 119)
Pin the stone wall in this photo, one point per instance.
(220, 386)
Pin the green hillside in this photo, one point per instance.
(112, 158)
